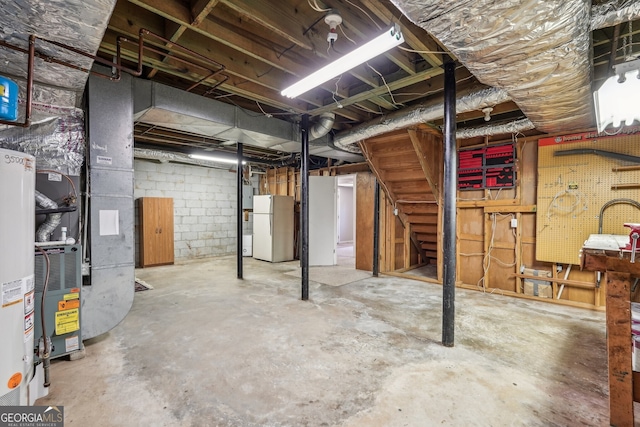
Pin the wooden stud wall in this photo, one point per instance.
(491, 252)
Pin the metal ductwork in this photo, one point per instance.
(346, 141)
(613, 13)
(495, 129)
(80, 23)
(51, 222)
(322, 127)
(538, 51)
(167, 156)
(169, 107)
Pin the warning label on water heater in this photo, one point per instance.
(12, 292)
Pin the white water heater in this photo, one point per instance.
(17, 296)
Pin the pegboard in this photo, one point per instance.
(573, 188)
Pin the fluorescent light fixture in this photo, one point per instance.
(216, 159)
(617, 99)
(391, 38)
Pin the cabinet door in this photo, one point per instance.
(156, 231)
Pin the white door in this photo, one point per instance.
(323, 220)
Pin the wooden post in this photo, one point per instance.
(618, 347)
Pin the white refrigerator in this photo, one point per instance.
(273, 228)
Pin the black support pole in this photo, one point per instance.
(376, 230)
(449, 210)
(239, 153)
(304, 207)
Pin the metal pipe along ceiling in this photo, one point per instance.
(538, 51)
(410, 117)
(527, 75)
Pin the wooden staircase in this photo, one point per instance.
(408, 165)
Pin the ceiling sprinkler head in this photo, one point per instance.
(487, 113)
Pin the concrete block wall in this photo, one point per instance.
(204, 206)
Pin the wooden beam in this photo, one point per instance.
(502, 203)
(411, 34)
(619, 348)
(564, 302)
(572, 283)
(278, 20)
(200, 10)
(423, 219)
(177, 12)
(511, 209)
(421, 209)
(422, 144)
(391, 86)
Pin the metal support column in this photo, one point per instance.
(449, 210)
(376, 230)
(239, 216)
(304, 207)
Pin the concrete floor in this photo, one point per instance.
(206, 349)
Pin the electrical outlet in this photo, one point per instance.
(514, 223)
(395, 211)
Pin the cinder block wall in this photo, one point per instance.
(204, 206)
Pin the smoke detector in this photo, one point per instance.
(332, 19)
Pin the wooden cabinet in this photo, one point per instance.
(156, 231)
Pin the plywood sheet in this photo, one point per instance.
(470, 265)
(572, 189)
(365, 192)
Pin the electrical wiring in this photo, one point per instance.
(385, 83)
(345, 34)
(365, 13)
(613, 133)
(433, 91)
(556, 208)
(334, 93)
(70, 199)
(314, 5)
(486, 262)
(263, 112)
(367, 110)
(406, 49)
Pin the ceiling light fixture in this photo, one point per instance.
(617, 99)
(216, 159)
(390, 39)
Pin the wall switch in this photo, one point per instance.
(514, 223)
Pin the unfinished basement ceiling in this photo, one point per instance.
(542, 58)
(539, 53)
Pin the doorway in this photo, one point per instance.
(346, 220)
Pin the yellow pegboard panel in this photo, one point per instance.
(573, 188)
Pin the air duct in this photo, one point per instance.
(410, 117)
(166, 156)
(538, 51)
(496, 129)
(172, 108)
(322, 126)
(51, 222)
(613, 13)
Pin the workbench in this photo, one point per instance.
(602, 252)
